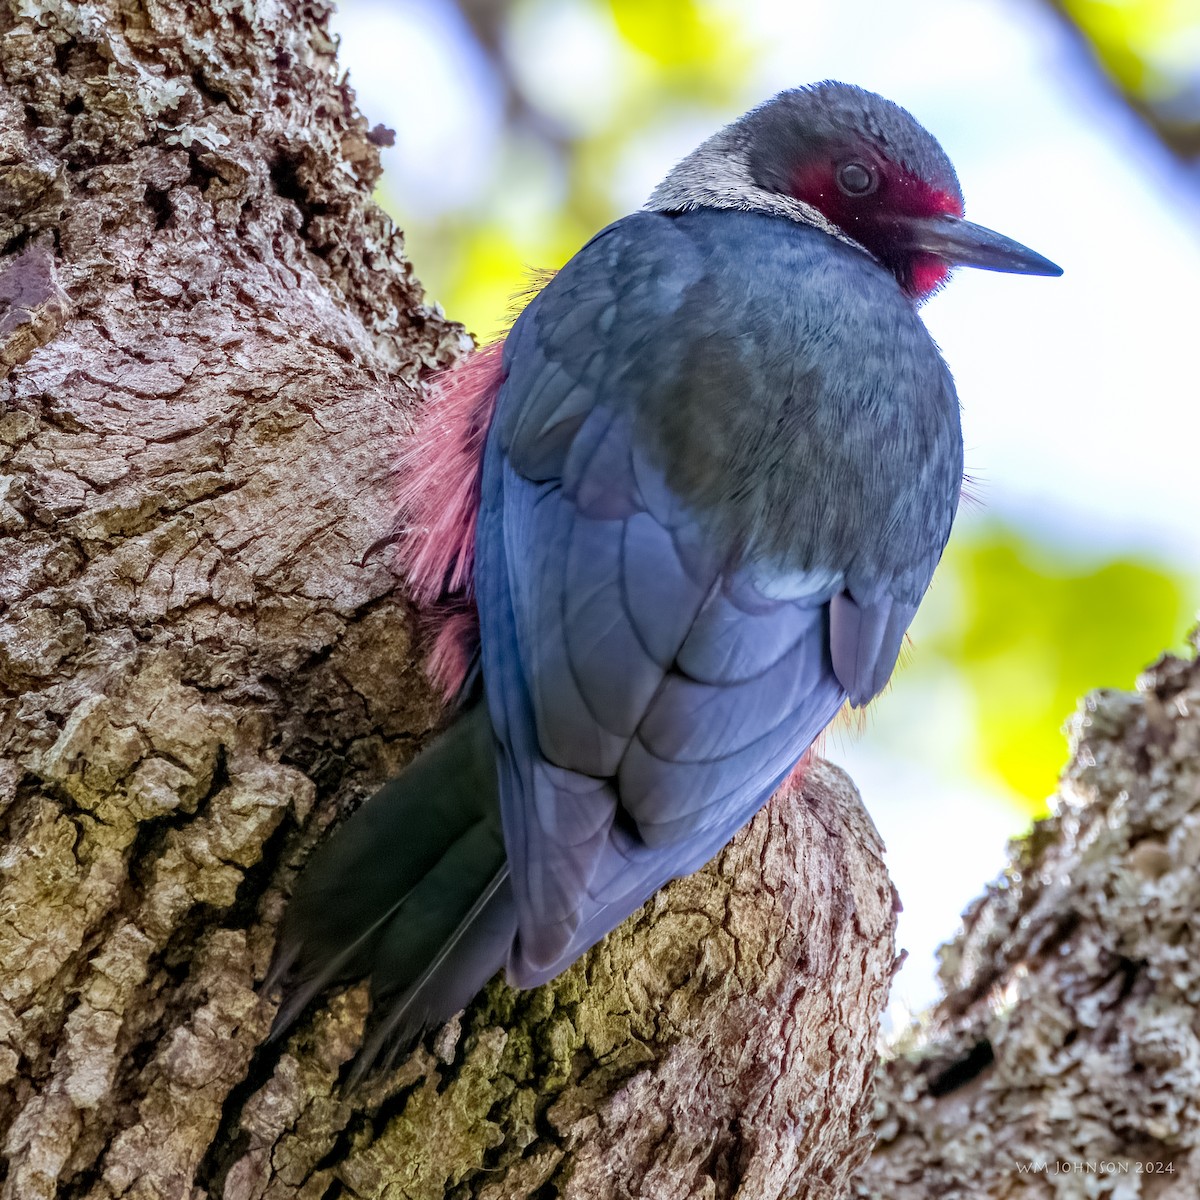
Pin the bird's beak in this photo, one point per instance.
(961, 244)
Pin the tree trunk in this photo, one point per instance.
(1064, 1060)
(211, 343)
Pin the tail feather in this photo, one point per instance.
(412, 891)
(304, 986)
(472, 954)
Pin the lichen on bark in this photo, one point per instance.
(1064, 1058)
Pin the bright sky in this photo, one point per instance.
(1081, 406)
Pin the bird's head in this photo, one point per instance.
(858, 166)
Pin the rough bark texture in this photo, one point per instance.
(1064, 1060)
(210, 343)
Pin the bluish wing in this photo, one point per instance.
(646, 704)
(649, 683)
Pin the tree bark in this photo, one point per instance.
(1064, 1059)
(210, 346)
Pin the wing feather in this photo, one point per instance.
(652, 672)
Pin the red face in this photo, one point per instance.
(869, 199)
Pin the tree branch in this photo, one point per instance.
(1064, 1059)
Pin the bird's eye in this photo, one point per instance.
(855, 179)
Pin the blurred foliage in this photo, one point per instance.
(677, 59)
(1009, 637)
(1150, 50)
(1032, 634)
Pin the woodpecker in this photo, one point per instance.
(682, 515)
